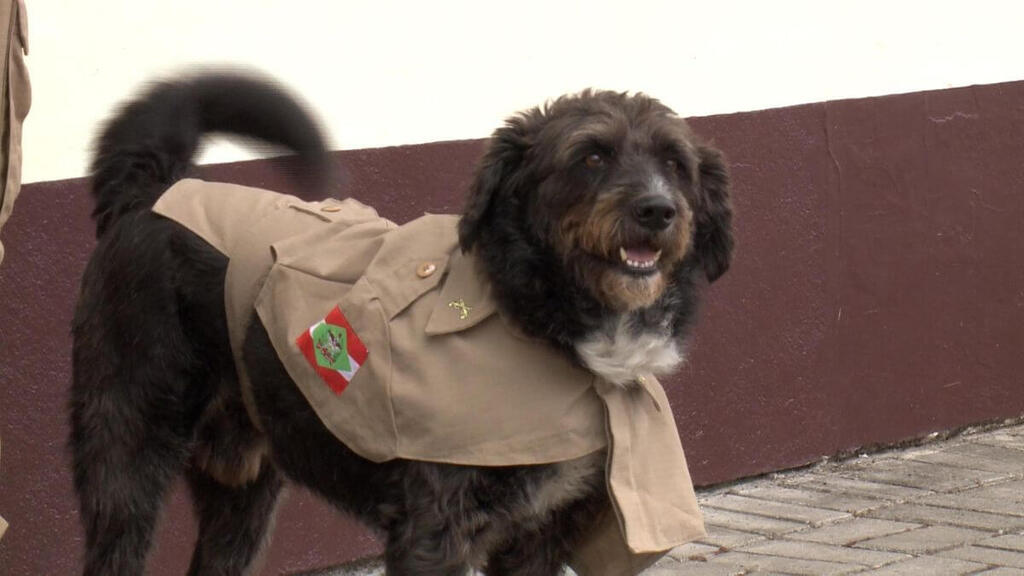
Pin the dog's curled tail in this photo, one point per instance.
(149, 144)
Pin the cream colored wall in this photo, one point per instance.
(387, 72)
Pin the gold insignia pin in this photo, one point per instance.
(461, 306)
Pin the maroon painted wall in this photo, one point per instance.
(877, 295)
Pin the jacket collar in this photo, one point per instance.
(466, 297)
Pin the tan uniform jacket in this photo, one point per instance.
(445, 377)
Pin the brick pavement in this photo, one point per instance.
(947, 508)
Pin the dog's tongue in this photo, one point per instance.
(641, 254)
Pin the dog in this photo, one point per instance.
(596, 219)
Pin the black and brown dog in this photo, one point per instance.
(594, 217)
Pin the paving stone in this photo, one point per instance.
(726, 538)
(813, 498)
(835, 484)
(1001, 572)
(922, 475)
(1008, 542)
(1001, 438)
(749, 522)
(1011, 491)
(759, 563)
(693, 551)
(924, 514)
(1006, 498)
(695, 569)
(849, 531)
(824, 552)
(927, 566)
(923, 540)
(780, 510)
(976, 457)
(984, 555)
(666, 565)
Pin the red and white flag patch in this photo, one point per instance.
(333, 349)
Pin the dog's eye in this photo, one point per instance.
(672, 164)
(594, 160)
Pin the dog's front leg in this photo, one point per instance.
(545, 549)
(535, 553)
(423, 546)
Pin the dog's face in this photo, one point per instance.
(616, 186)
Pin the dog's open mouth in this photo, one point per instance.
(639, 259)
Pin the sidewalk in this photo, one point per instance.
(948, 508)
(953, 507)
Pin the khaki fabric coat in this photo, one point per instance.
(447, 378)
(15, 100)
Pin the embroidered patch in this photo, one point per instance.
(332, 348)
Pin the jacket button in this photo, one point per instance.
(331, 208)
(426, 269)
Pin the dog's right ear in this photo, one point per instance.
(713, 237)
(495, 176)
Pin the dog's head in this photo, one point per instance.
(616, 186)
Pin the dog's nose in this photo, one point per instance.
(654, 212)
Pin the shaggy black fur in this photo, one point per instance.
(155, 393)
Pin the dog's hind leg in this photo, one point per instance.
(128, 444)
(122, 470)
(234, 522)
(120, 505)
(138, 388)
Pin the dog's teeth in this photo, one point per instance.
(637, 264)
(644, 264)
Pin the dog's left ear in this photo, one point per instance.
(713, 235)
(495, 176)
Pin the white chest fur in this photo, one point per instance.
(620, 354)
